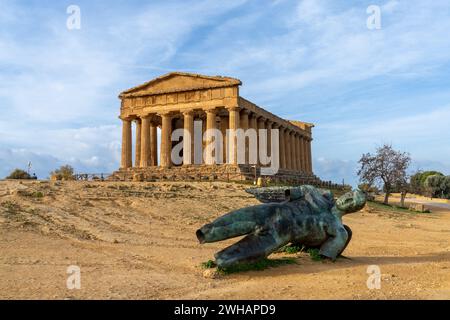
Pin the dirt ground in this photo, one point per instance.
(137, 241)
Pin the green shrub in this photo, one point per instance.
(38, 194)
(19, 174)
(63, 173)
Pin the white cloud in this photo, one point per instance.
(71, 79)
(88, 149)
(160, 28)
(321, 43)
(409, 132)
(58, 89)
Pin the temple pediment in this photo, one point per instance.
(302, 125)
(178, 82)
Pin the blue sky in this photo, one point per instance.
(314, 61)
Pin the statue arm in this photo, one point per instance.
(234, 224)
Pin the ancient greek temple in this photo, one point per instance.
(177, 100)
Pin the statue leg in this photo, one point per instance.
(349, 233)
(253, 247)
(335, 244)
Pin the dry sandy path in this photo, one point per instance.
(137, 241)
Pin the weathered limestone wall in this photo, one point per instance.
(225, 172)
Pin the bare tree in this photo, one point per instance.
(387, 167)
(404, 187)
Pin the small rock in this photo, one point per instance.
(210, 274)
(45, 230)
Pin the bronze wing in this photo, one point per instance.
(276, 194)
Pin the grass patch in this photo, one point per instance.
(11, 207)
(12, 210)
(37, 194)
(393, 208)
(251, 266)
(314, 254)
(257, 266)
(291, 249)
(208, 264)
(387, 207)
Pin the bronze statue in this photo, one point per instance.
(303, 216)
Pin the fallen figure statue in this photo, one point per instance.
(304, 216)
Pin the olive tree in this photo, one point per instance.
(418, 181)
(435, 186)
(387, 167)
(446, 187)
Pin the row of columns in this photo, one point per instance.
(294, 148)
(295, 151)
(146, 143)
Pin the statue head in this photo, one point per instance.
(350, 202)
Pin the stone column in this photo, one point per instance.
(300, 153)
(234, 125)
(261, 125)
(137, 151)
(253, 122)
(153, 143)
(276, 126)
(269, 125)
(288, 152)
(223, 128)
(244, 118)
(297, 152)
(145, 142)
(282, 147)
(210, 125)
(293, 151)
(126, 161)
(166, 143)
(309, 156)
(188, 141)
(244, 126)
(305, 155)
